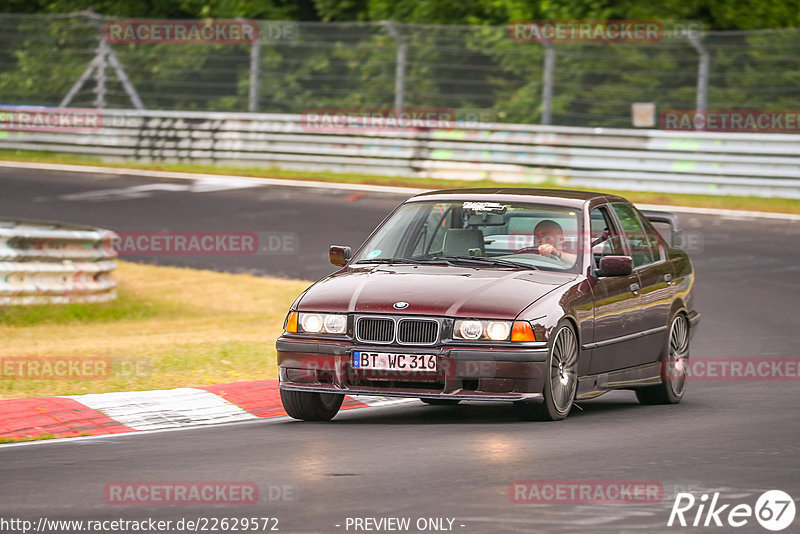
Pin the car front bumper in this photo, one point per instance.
(463, 372)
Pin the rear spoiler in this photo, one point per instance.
(668, 218)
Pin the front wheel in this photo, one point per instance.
(673, 367)
(561, 380)
(310, 406)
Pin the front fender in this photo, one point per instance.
(573, 302)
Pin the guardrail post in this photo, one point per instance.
(400, 65)
(547, 82)
(255, 70)
(703, 63)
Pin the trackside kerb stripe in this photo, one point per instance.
(262, 398)
(150, 410)
(56, 416)
(113, 413)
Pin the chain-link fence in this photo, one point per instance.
(481, 72)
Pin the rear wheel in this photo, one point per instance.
(441, 402)
(310, 406)
(561, 380)
(673, 367)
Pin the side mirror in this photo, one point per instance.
(616, 265)
(339, 255)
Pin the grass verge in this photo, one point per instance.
(778, 205)
(169, 327)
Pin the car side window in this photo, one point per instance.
(655, 239)
(635, 235)
(605, 241)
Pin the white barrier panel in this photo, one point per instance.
(758, 164)
(44, 262)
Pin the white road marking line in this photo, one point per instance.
(102, 437)
(125, 193)
(408, 191)
(201, 185)
(197, 176)
(150, 410)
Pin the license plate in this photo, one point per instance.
(381, 361)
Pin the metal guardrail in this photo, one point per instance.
(766, 165)
(45, 262)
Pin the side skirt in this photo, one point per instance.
(592, 386)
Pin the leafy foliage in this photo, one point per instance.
(342, 56)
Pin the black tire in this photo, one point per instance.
(309, 406)
(561, 378)
(673, 367)
(441, 402)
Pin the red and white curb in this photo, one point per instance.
(116, 413)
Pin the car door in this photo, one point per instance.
(655, 281)
(616, 300)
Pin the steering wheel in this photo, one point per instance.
(528, 250)
(535, 250)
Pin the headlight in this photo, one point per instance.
(491, 330)
(311, 322)
(470, 329)
(316, 323)
(478, 330)
(498, 330)
(335, 324)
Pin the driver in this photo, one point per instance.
(548, 238)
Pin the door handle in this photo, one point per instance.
(634, 288)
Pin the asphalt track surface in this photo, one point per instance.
(738, 438)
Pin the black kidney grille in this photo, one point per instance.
(378, 330)
(417, 331)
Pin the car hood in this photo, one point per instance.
(452, 291)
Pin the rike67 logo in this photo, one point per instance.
(774, 510)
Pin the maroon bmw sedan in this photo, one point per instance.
(537, 297)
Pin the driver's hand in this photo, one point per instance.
(547, 250)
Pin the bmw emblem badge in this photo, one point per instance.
(400, 305)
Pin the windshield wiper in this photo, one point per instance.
(487, 261)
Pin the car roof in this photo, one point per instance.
(562, 197)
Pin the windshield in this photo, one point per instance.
(476, 233)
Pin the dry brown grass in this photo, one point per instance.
(169, 327)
